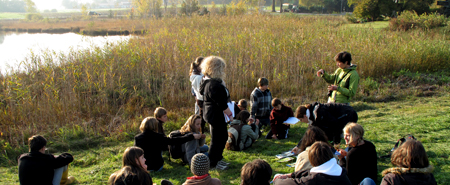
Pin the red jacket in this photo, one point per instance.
(278, 117)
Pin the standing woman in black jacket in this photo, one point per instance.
(330, 117)
(215, 97)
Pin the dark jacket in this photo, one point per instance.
(361, 162)
(307, 178)
(132, 179)
(38, 168)
(160, 127)
(215, 97)
(154, 143)
(261, 103)
(403, 176)
(332, 118)
(278, 117)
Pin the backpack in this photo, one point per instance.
(176, 151)
(399, 143)
(234, 133)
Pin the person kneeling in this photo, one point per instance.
(37, 167)
(325, 169)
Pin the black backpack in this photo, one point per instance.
(176, 151)
(399, 142)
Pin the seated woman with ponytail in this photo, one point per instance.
(330, 117)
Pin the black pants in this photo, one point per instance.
(281, 134)
(335, 131)
(219, 137)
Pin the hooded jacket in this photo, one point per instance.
(403, 176)
(347, 86)
(328, 173)
(247, 134)
(195, 82)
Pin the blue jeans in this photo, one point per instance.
(57, 175)
(367, 181)
(204, 149)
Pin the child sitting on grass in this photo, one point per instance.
(161, 114)
(153, 143)
(242, 105)
(134, 169)
(200, 169)
(279, 114)
(248, 133)
(193, 125)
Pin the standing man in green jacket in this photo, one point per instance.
(344, 80)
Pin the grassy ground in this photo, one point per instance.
(376, 25)
(8, 15)
(427, 118)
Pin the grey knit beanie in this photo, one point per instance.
(200, 164)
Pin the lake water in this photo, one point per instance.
(16, 47)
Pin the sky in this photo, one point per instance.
(52, 4)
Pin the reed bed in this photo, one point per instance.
(105, 92)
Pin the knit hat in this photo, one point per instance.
(199, 164)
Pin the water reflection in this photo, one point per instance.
(16, 47)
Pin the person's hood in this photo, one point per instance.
(352, 67)
(329, 168)
(400, 170)
(206, 180)
(194, 76)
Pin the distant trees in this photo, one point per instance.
(12, 6)
(373, 9)
(148, 7)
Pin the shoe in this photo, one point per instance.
(70, 180)
(223, 163)
(221, 167)
(166, 182)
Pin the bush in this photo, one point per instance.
(410, 20)
(33, 17)
(351, 18)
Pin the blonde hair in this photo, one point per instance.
(355, 130)
(213, 67)
(149, 124)
(190, 124)
(160, 112)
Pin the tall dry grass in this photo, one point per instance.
(106, 91)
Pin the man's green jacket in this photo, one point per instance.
(347, 86)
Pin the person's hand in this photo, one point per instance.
(197, 136)
(257, 122)
(281, 176)
(250, 121)
(203, 136)
(343, 153)
(332, 87)
(295, 150)
(287, 124)
(274, 136)
(320, 72)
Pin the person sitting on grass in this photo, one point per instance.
(412, 166)
(193, 125)
(257, 172)
(134, 169)
(325, 169)
(153, 143)
(161, 115)
(279, 114)
(242, 105)
(37, 167)
(312, 135)
(361, 159)
(249, 131)
(200, 169)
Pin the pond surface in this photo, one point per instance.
(16, 47)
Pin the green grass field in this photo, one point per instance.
(427, 118)
(12, 15)
(375, 24)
